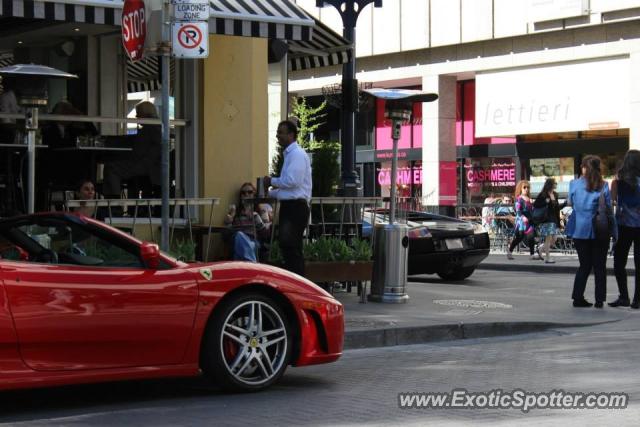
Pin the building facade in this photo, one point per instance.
(526, 89)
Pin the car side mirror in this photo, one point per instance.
(150, 254)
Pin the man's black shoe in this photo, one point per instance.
(598, 304)
(620, 302)
(581, 303)
(635, 305)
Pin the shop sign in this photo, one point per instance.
(493, 176)
(564, 97)
(403, 154)
(134, 28)
(406, 176)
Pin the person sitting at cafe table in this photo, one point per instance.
(86, 190)
(143, 161)
(66, 133)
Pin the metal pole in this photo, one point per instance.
(349, 106)
(31, 126)
(166, 51)
(397, 124)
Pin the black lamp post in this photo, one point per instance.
(30, 82)
(349, 11)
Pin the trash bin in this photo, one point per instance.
(390, 263)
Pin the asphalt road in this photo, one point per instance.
(362, 388)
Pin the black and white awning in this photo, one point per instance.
(325, 48)
(274, 19)
(106, 12)
(145, 75)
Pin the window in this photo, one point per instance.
(65, 242)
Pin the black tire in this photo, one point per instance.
(456, 273)
(242, 356)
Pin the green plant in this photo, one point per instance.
(275, 254)
(308, 119)
(183, 249)
(361, 250)
(330, 249)
(325, 170)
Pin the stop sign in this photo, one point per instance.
(134, 28)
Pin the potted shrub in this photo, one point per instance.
(330, 259)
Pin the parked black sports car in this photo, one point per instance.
(446, 246)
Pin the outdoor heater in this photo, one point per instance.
(391, 241)
(30, 86)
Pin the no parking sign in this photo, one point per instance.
(190, 39)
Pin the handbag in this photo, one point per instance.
(603, 221)
(540, 215)
(570, 226)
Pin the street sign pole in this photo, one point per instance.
(166, 80)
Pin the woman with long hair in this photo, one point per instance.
(524, 229)
(584, 193)
(625, 190)
(247, 225)
(548, 199)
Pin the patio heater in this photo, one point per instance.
(392, 239)
(31, 90)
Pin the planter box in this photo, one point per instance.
(338, 271)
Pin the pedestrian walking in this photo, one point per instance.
(547, 203)
(625, 192)
(584, 195)
(524, 230)
(293, 191)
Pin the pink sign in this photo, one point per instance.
(496, 176)
(406, 176)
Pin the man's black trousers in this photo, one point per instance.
(294, 216)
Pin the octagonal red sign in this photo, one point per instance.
(134, 28)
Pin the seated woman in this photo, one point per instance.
(86, 190)
(250, 228)
(145, 158)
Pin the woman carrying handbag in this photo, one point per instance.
(589, 195)
(625, 190)
(547, 208)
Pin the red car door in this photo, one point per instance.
(70, 317)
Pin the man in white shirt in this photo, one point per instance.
(293, 191)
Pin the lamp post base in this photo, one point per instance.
(389, 298)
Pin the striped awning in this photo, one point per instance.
(274, 19)
(105, 12)
(144, 75)
(325, 48)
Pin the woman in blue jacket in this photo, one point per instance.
(625, 190)
(584, 193)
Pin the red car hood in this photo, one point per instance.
(259, 273)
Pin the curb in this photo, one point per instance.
(540, 268)
(426, 334)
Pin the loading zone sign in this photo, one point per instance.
(190, 39)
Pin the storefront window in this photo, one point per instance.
(559, 168)
(409, 179)
(488, 177)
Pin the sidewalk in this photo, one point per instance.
(490, 303)
(564, 264)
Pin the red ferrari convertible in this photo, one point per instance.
(83, 302)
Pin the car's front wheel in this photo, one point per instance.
(247, 346)
(457, 273)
